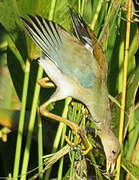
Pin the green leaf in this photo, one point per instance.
(19, 45)
(133, 81)
(132, 169)
(132, 86)
(9, 18)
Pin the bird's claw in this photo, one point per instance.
(80, 136)
(46, 83)
(78, 140)
(85, 152)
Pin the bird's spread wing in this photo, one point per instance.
(68, 53)
(88, 38)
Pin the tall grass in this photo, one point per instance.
(118, 33)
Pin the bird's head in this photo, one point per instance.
(112, 149)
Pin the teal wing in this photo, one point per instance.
(68, 53)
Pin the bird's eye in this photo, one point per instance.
(113, 152)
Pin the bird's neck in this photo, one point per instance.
(99, 106)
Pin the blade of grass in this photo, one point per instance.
(31, 127)
(50, 159)
(52, 9)
(65, 112)
(55, 146)
(60, 169)
(79, 6)
(21, 121)
(62, 152)
(90, 154)
(133, 142)
(33, 112)
(82, 7)
(73, 153)
(57, 138)
(114, 6)
(40, 145)
(124, 87)
(94, 20)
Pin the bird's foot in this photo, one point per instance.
(87, 148)
(46, 83)
(85, 152)
(78, 140)
(87, 145)
(78, 131)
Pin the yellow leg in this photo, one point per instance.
(86, 142)
(44, 82)
(46, 113)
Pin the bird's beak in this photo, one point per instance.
(110, 166)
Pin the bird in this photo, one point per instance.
(77, 66)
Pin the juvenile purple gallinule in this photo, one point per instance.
(77, 66)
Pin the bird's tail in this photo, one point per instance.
(88, 38)
(80, 28)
